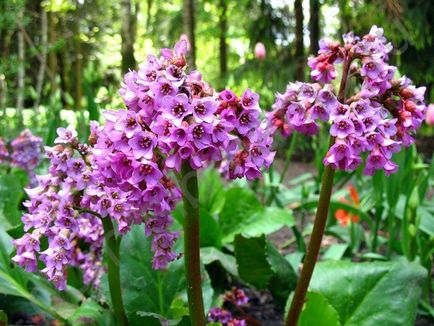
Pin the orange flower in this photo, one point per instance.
(344, 217)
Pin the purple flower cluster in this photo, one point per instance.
(23, 152)
(377, 120)
(52, 215)
(188, 122)
(236, 299)
(299, 108)
(26, 153)
(132, 185)
(4, 153)
(171, 118)
(329, 54)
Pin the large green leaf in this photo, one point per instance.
(16, 282)
(284, 278)
(243, 213)
(212, 194)
(251, 256)
(240, 204)
(210, 254)
(318, 311)
(335, 251)
(148, 290)
(366, 294)
(210, 234)
(266, 221)
(91, 313)
(11, 193)
(260, 264)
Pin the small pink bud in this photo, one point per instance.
(183, 37)
(429, 115)
(260, 52)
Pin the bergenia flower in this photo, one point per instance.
(429, 115)
(260, 51)
(377, 120)
(171, 117)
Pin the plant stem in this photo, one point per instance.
(391, 227)
(320, 221)
(314, 247)
(378, 215)
(190, 196)
(352, 236)
(288, 157)
(113, 243)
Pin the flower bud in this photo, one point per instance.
(429, 115)
(260, 52)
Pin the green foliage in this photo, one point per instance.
(212, 194)
(3, 318)
(146, 289)
(261, 265)
(243, 213)
(39, 295)
(365, 294)
(91, 313)
(209, 255)
(149, 318)
(11, 195)
(335, 252)
(152, 292)
(318, 311)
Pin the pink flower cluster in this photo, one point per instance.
(377, 120)
(4, 153)
(172, 118)
(187, 121)
(235, 299)
(429, 117)
(23, 152)
(300, 107)
(52, 214)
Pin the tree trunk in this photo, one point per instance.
(78, 67)
(78, 63)
(21, 69)
(43, 63)
(128, 34)
(189, 27)
(299, 46)
(314, 28)
(52, 57)
(65, 60)
(223, 45)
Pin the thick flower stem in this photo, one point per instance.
(314, 247)
(113, 243)
(190, 196)
(320, 219)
